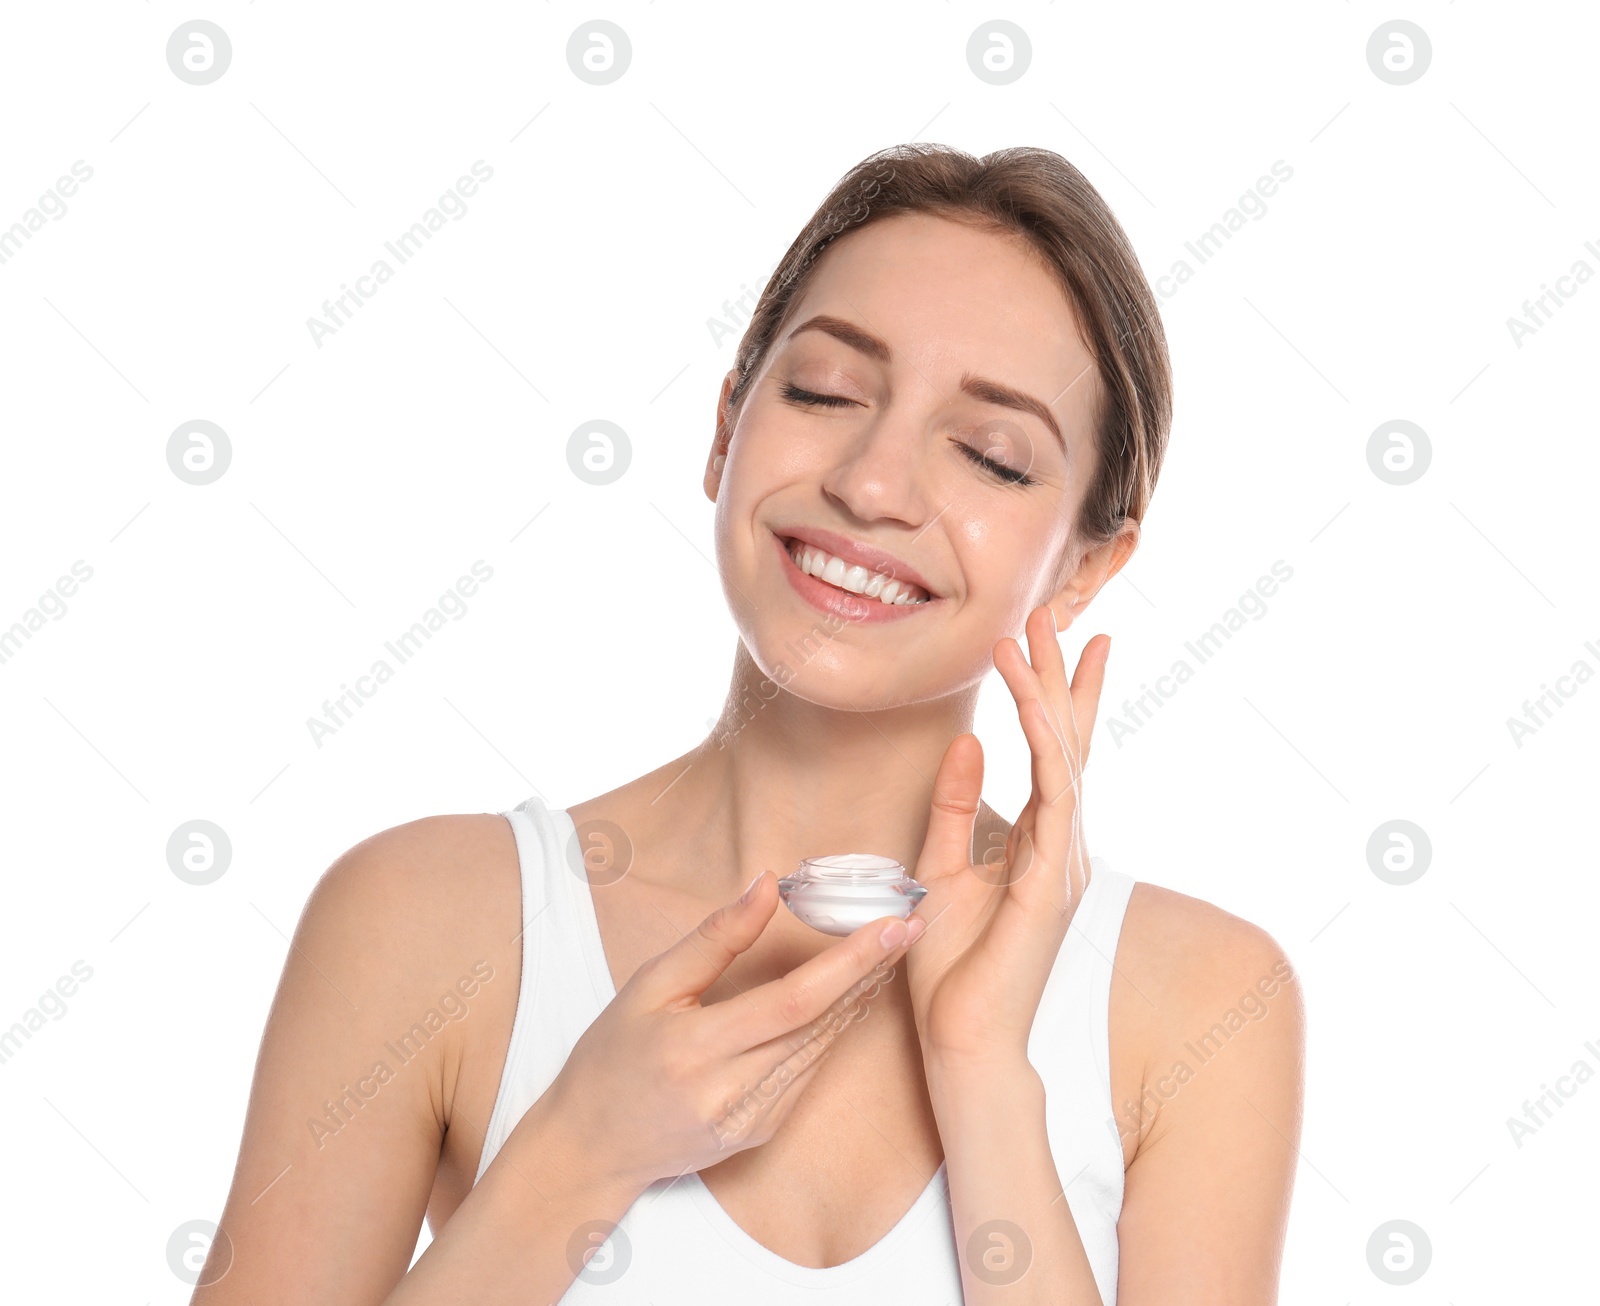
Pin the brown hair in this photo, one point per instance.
(1037, 194)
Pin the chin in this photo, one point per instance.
(838, 666)
(836, 648)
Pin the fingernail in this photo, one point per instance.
(751, 887)
(894, 934)
(915, 925)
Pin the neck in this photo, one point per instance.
(781, 778)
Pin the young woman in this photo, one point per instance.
(605, 1075)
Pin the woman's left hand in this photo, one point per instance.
(995, 926)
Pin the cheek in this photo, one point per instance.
(1004, 559)
(776, 432)
(992, 559)
(761, 462)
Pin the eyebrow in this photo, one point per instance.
(979, 387)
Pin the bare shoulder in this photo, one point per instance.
(1199, 989)
(436, 903)
(453, 878)
(399, 975)
(1208, 1030)
(1186, 946)
(420, 902)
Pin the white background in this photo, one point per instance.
(369, 473)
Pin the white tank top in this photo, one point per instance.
(676, 1246)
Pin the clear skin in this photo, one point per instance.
(865, 747)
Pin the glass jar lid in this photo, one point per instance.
(838, 894)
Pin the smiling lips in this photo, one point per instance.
(841, 575)
(857, 579)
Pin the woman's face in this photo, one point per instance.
(924, 416)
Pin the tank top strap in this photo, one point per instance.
(1070, 1047)
(1093, 934)
(565, 982)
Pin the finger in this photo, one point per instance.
(1074, 722)
(1020, 677)
(796, 1000)
(1087, 683)
(1043, 866)
(1054, 800)
(811, 1039)
(953, 810)
(1023, 681)
(790, 1057)
(1053, 763)
(1039, 726)
(697, 960)
(1044, 652)
(797, 1051)
(766, 1089)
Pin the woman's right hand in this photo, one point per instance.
(660, 1085)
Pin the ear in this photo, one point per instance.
(723, 435)
(1097, 566)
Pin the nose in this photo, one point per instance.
(881, 474)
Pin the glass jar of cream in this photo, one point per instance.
(841, 893)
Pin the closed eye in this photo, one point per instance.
(799, 396)
(998, 469)
(1008, 474)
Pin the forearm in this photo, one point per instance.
(525, 1230)
(1015, 1235)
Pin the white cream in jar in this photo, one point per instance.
(841, 893)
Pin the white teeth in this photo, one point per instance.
(852, 577)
